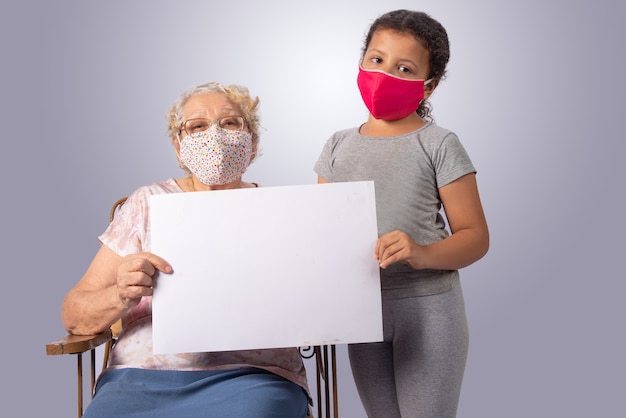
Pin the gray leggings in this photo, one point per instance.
(418, 370)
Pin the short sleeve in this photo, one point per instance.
(126, 234)
(323, 166)
(451, 161)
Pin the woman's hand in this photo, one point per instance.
(397, 246)
(136, 274)
(110, 287)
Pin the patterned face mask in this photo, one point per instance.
(217, 155)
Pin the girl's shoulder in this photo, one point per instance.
(435, 131)
(428, 130)
(435, 136)
(339, 137)
(343, 133)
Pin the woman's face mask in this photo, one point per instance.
(217, 155)
(388, 97)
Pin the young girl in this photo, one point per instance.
(417, 167)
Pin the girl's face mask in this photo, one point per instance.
(388, 97)
(217, 155)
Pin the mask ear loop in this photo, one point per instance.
(180, 163)
(426, 82)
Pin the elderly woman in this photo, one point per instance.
(214, 130)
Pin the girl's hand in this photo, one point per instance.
(136, 274)
(397, 246)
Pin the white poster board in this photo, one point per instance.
(266, 267)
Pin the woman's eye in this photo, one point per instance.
(198, 127)
(233, 123)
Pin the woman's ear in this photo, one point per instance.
(253, 155)
(176, 143)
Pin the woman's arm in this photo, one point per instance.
(110, 287)
(468, 242)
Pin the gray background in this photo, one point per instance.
(535, 92)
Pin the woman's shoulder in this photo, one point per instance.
(167, 186)
(141, 194)
(249, 185)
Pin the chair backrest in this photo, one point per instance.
(116, 206)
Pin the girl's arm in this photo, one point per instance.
(468, 242)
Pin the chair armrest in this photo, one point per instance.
(75, 344)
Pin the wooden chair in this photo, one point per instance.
(325, 358)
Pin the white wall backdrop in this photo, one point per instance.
(535, 91)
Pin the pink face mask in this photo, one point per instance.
(388, 97)
(217, 155)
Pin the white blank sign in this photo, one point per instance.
(266, 267)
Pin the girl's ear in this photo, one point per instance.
(430, 88)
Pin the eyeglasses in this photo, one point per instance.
(231, 123)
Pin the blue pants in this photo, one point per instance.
(239, 393)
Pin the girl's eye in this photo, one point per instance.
(376, 60)
(404, 69)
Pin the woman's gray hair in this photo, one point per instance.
(238, 94)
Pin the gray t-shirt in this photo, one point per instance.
(407, 171)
